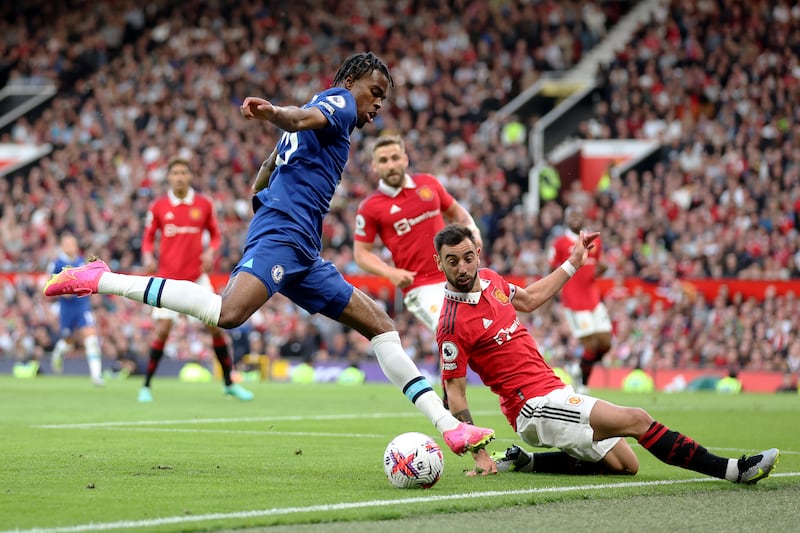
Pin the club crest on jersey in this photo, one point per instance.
(500, 296)
(574, 400)
(195, 213)
(425, 193)
(277, 273)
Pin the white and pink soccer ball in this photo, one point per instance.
(413, 461)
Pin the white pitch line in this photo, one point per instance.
(290, 418)
(183, 519)
(264, 433)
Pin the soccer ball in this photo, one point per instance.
(413, 461)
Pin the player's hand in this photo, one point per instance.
(588, 239)
(580, 252)
(207, 260)
(484, 465)
(401, 278)
(149, 264)
(257, 108)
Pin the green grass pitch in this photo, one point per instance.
(309, 457)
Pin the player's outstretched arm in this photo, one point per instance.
(456, 392)
(287, 118)
(537, 293)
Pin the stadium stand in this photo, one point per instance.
(721, 201)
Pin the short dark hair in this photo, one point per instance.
(388, 140)
(360, 65)
(178, 161)
(451, 235)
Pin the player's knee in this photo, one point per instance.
(384, 324)
(230, 318)
(374, 328)
(640, 420)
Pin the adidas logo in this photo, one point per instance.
(169, 215)
(487, 323)
(394, 209)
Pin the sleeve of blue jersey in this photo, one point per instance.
(339, 106)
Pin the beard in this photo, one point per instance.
(463, 283)
(393, 179)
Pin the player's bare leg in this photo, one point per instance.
(366, 317)
(243, 295)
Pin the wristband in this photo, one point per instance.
(569, 268)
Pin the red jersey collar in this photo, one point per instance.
(174, 200)
(408, 183)
(467, 297)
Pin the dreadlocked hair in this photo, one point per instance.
(359, 65)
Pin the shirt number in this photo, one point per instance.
(289, 143)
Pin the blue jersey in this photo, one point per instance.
(309, 166)
(75, 313)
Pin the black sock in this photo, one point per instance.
(225, 362)
(677, 449)
(152, 364)
(563, 463)
(586, 370)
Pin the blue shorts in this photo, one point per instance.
(70, 322)
(287, 263)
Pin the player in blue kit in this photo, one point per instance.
(76, 322)
(293, 190)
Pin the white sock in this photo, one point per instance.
(182, 296)
(92, 346)
(60, 349)
(732, 472)
(404, 374)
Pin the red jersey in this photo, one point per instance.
(407, 219)
(181, 223)
(581, 293)
(482, 330)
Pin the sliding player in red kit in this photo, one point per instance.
(479, 329)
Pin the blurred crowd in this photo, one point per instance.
(716, 82)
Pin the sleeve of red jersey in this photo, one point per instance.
(212, 225)
(366, 225)
(452, 356)
(150, 228)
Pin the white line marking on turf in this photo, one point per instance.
(183, 519)
(265, 433)
(290, 418)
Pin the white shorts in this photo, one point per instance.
(585, 323)
(425, 303)
(162, 313)
(561, 420)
